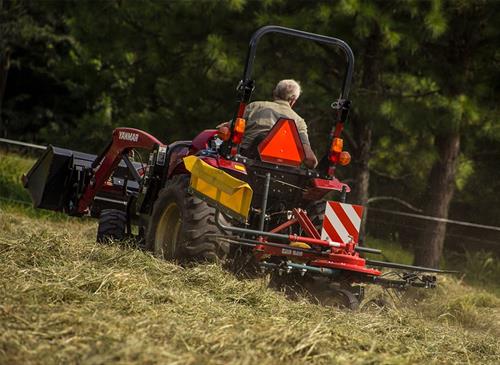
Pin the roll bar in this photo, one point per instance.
(259, 33)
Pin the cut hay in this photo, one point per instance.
(66, 299)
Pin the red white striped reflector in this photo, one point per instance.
(342, 222)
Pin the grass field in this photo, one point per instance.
(65, 299)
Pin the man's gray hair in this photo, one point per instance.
(287, 90)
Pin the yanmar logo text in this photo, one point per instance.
(128, 136)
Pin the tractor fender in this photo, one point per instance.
(177, 166)
(224, 164)
(200, 142)
(320, 187)
(219, 163)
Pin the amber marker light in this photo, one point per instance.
(239, 130)
(337, 145)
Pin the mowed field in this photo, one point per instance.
(65, 299)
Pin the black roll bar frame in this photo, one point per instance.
(252, 49)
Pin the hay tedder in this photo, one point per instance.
(205, 199)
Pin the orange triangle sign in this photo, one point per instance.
(282, 145)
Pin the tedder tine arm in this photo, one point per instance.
(393, 265)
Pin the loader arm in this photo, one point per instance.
(123, 141)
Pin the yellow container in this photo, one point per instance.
(218, 188)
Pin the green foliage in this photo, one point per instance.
(481, 268)
(12, 167)
(464, 172)
(435, 20)
(391, 251)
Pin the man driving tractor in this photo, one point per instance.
(262, 115)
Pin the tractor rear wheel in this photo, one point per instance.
(182, 226)
(343, 298)
(112, 226)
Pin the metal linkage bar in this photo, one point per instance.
(131, 168)
(306, 223)
(287, 238)
(427, 282)
(253, 243)
(289, 266)
(393, 265)
(264, 202)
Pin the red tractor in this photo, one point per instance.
(203, 200)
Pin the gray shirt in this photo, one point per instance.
(262, 115)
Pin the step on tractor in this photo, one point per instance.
(206, 200)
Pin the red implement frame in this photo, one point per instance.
(124, 140)
(341, 256)
(306, 223)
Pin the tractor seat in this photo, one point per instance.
(252, 151)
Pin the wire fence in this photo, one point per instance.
(436, 219)
(22, 144)
(397, 226)
(407, 228)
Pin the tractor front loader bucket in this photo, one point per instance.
(59, 177)
(55, 177)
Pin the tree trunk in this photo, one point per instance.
(441, 186)
(4, 71)
(359, 194)
(362, 125)
(4, 64)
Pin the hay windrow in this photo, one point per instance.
(65, 299)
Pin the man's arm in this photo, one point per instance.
(310, 159)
